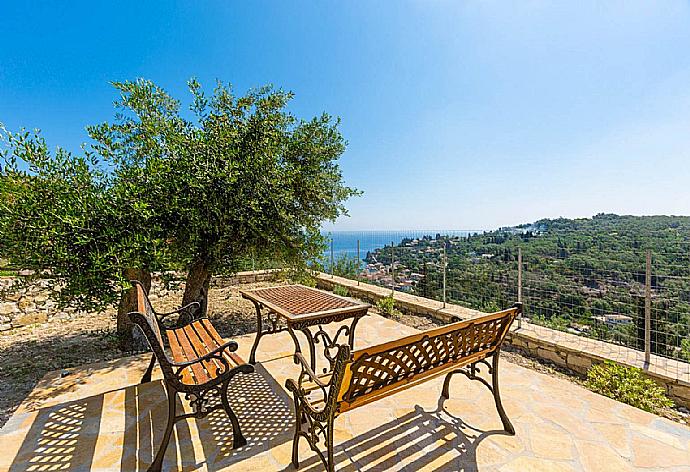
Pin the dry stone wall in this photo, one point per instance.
(33, 304)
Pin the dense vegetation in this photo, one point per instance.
(575, 271)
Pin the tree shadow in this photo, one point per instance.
(128, 426)
(26, 361)
(146, 410)
(62, 437)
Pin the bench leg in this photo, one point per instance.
(238, 439)
(149, 370)
(158, 461)
(330, 466)
(493, 387)
(507, 425)
(298, 428)
(259, 333)
(314, 429)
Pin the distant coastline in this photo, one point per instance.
(345, 242)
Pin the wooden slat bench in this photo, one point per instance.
(201, 366)
(367, 375)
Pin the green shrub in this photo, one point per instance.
(340, 290)
(386, 306)
(628, 385)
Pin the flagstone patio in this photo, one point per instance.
(97, 417)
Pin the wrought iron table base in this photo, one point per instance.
(330, 344)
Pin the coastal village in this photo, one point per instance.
(433, 251)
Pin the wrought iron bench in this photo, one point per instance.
(201, 366)
(367, 375)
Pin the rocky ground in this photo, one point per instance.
(27, 353)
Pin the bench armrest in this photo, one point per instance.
(179, 310)
(230, 346)
(308, 375)
(307, 371)
(187, 316)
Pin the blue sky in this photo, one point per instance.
(458, 114)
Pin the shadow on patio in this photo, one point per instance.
(420, 440)
(122, 430)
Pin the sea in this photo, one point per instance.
(344, 243)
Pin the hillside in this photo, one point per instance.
(577, 273)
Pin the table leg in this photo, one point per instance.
(351, 335)
(259, 333)
(312, 347)
(294, 338)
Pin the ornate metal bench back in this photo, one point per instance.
(145, 317)
(399, 361)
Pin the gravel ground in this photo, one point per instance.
(28, 353)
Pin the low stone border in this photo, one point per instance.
(563, 349)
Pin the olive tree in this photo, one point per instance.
(62, 216)
(241, 174)
(163, 188)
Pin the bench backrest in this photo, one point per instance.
(392, 366)
(145, 317)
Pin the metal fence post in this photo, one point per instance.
(359, 263)
(444, 263)
(648, 310)
(392, 268)
(519, 283)
(331, 257)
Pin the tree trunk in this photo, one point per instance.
(196, 288)
(128, 303)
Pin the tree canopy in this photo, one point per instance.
(161, 187)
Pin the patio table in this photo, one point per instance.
(299, 308)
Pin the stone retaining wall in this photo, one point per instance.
(563, 349)
(32, 304)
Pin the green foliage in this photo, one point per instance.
(685, 349)
(67, 217)
(158, 190)
(340, 290)
(554, 322)
(307, 280)
(628, 385)
(243, 175)
(386, 306)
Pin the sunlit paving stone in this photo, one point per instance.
(85, 427)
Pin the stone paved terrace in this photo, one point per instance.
(98, 418)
